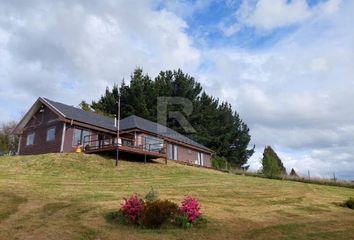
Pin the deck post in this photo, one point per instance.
(166, 160)
(144, 158)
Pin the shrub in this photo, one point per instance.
(158, 212)
(151, 196)
(183, 221)
(219, 162)
(116, 217)
(190, 207)
(132, 208)
(349, 203)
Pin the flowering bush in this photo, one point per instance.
(156, 213)
(191, 208)
(132, 208)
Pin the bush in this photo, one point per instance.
(116, 217)
(190, 207)
(151, 196)
(219, 162)
(158, 212)
(183, 221)
(349, 203)
(132, 208)
(155, 213)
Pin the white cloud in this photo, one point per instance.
(270, 14)
(267, 15)
(63, 50)
(296, 94)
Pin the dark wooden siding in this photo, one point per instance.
(39, 124)
(190, 155)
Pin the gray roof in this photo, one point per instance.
(127, 123)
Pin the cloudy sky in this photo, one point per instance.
(287, 66)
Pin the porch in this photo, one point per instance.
(99, 143)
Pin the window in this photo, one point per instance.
(81, 136)
(173, 152)
(30, 139)
(86, 137)
(51, 134)
(77, 137)
(200, 160)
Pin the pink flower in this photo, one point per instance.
(133, 207)
(191, 207)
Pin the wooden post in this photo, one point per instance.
(144, 158)
(308, 173)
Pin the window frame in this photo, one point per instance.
(82, 130)
(54, 136)
(173, 152)
(74, 143)
(27, 138)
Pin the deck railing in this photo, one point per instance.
(95, 143)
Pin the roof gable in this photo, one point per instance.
(34, 108)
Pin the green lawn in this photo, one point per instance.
(66, 196)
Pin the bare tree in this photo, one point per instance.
(8, 140)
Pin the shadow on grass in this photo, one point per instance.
(9, 203)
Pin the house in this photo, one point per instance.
(51, 126)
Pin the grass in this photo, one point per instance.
(68, 196)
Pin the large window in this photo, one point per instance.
(30, 139)
(153, 144)
(51, 134)
(80, 135)
(172, 153)
(200, 160)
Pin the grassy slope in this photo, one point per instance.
(65, 196)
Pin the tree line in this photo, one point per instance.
(217, 125)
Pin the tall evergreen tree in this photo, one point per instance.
(217, 125)
(271, 163)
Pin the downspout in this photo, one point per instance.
(19, 144)
(63, 138)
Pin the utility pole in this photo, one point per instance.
(118, 123)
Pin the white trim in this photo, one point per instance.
(19, 144)
(56, 109)
(63, 138)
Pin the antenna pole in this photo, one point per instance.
(118, 125)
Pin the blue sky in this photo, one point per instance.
(286, 66)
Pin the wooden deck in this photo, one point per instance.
(125, 145)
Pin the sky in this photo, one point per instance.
(286, 66)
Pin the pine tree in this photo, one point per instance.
(271, 163)
(217, 125)
(85, 106)
(293, 173)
